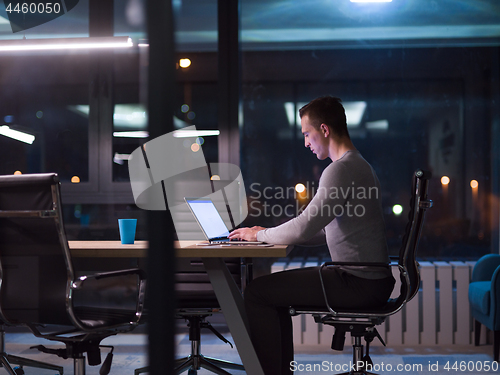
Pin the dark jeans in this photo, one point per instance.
(267, 299)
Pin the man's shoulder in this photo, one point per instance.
(335, 172)
(348, 170)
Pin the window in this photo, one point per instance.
(413, 100)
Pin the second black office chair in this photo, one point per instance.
(39, 287)
(196, 301)
(362, 323)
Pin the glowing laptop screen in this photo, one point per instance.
(208, 217)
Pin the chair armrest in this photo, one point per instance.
(102, 275)
(359, 264)
(326, 264)
(485, 267)
(140, 298)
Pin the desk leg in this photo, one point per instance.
(231, 302)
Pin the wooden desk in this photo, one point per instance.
(226, 290)
(184, 249)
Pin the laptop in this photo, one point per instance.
(211, 223)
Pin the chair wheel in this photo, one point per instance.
(192, 371)
(19, 370)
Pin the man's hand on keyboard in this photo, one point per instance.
(247, 234)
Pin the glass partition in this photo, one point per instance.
(42, 95)
(60, 22)
(415, 97)
(53, 134)
(196, 104)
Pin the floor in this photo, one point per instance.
(130, 353)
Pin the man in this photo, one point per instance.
(345, 212)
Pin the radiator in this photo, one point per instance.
(438, 315)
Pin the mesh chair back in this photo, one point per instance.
(408, 252)
(35, 268)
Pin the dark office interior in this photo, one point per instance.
(421, 80)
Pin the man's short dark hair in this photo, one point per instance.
(326, 110)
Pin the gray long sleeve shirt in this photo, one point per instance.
(346, 211)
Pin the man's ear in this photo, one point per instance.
(325, 129)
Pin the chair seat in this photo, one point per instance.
(390, 306)
(94, 317)
(479, 296)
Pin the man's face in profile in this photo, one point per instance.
(314, 139)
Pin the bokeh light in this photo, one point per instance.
(184, 63)
(397, 209)
(300, 188)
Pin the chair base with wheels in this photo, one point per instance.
(76, 349)
(8, 359)
(362, 362)
(78, 343)
(196, 361)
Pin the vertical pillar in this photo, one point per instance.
(161, 254)
(229, 80)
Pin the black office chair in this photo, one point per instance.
(196, 301)
(361, 323)
(39, 287)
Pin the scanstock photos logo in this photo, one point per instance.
(25, 14)
(167, 169)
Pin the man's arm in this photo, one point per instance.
(316, 216)
(317, 240)
(247, 234)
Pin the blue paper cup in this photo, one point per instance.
(127, 230)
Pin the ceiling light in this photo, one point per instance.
(289, 109)
(125, 116)
(195, 133)
(354, 112)
(65, 43)
(17, 135)
(379, 125)
(119, 158)
(142, 43)
(132, 134)
(371, 1)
